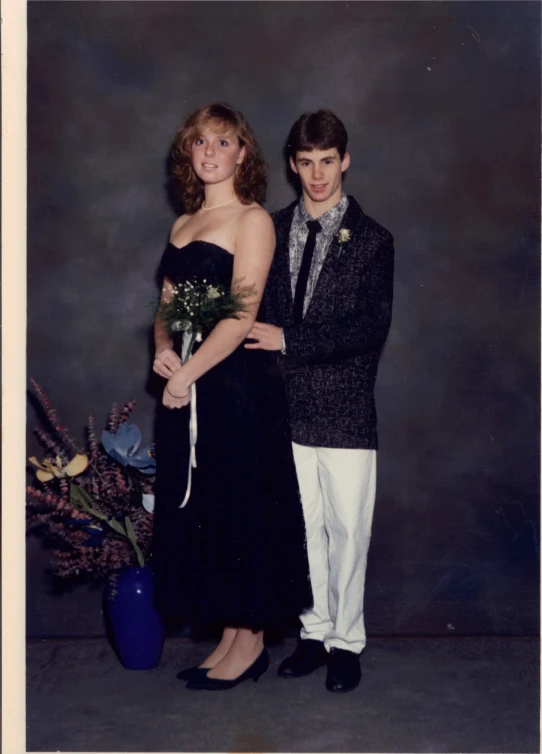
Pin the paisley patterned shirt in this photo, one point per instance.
(330, 222)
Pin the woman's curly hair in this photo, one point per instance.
(250, 181)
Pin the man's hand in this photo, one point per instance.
(269, 337)
(166, 363)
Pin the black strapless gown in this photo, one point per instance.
(236, 553)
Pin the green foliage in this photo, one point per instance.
(83, 501)
(130, 533)
(199, 306)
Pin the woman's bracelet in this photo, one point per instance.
(177, 397)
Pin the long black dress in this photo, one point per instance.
(236, 553)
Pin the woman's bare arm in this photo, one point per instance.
(166, 361)
(254, 248)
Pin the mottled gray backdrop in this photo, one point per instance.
(441, 101)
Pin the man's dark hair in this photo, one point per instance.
(319, 130)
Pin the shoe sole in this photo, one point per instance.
(342, 691)
(299, 675)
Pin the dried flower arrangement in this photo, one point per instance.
(93, 504)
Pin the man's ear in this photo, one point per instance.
(293, 165)
(242, 155)
(345, 164)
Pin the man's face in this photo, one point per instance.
(320, 172)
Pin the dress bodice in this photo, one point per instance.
(202, 260)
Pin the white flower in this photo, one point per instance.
(344, 235)
(198, 337)
(180, 324)
(148, 503)
(212, 292)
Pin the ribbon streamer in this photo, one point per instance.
(189, 337)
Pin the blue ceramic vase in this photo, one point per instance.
(137, 630)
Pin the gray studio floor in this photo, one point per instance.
(416, 695)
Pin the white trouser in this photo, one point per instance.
(337, 488)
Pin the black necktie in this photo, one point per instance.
(301, 285)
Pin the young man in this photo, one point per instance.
(327, 309)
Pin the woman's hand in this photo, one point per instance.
(166, 363)
(177, 391)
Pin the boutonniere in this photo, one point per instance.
(343, 236)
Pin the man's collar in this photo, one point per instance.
(327, 216)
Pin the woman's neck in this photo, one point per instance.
(218, 193)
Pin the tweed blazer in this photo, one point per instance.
(331, 358)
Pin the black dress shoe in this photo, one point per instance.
(189, 674)
(258, 668)
(309, 655)
(343, 672)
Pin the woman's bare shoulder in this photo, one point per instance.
(255, 229)
(254, 216)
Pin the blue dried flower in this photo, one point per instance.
(123, 446)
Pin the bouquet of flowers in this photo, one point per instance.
(193, 309)
(196, 307)
(93, 504)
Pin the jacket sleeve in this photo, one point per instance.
(363, 331)
(269, 309)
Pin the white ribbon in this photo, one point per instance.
(186, 353)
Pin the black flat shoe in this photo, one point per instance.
(189, 674)
(344, 672)
(309, 655)
(258, 668)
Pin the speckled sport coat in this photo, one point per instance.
(332, 357)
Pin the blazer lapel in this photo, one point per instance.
(352, 219)
(281, 261)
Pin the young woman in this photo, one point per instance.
(235, 554)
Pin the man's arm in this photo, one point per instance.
(363, 331)
(353, 334)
